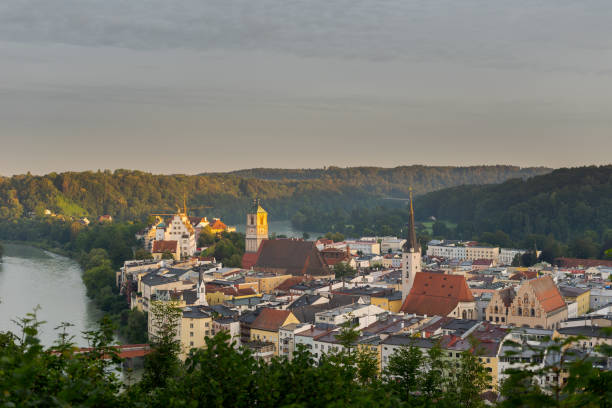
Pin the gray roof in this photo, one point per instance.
(195, 313)
(587, 331)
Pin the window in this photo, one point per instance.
(190, 334)
(191, 343)
(191, 325)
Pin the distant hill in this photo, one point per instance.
(127, 194)
(565, 212)
(566, 203)
(395, 181)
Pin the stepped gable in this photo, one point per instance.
(547, 293)
(436, 294)
(290, 256)
(507, 295)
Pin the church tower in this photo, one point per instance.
(411, 256)
(256, 227)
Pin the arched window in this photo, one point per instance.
(526, 299)
(532, 312)
(520, 311)
(496, 309)
(464, 315)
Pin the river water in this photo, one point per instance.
(31, 277)
(284, 228)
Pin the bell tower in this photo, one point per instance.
(256, 227)
(411, 256)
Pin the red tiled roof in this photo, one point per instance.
(482, 262)
(332, 256)
(218, 225)
(576, 262)
(291, 256)
(287, 284)
(436, 294)
(547, 293)
(164, 246)
(249, 259)
(523, 275)
(270, 319)
(246, 291)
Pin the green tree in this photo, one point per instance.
(404, 372)
(167, 255)
(142, 254)
(342, 271)
(207, 237)
(162, 364)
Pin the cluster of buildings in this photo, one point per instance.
(175, 236)
(285, 295)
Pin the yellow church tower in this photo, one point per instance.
(256, 227)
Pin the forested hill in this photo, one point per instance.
(396, 181)
(566, 203)
(126, 194)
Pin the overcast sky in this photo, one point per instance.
(199, 85)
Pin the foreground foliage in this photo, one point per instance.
(222, 376)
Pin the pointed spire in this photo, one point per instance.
(411, 244)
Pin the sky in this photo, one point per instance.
(195, 86)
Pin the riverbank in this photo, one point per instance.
(100, 250)
(32, 278)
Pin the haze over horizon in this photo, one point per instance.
(206, 86)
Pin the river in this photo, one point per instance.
(29, 277)
(284, 228)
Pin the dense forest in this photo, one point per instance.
(220, 375)
(131, 195)
(568, 209)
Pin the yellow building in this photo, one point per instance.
(214, 298)
(256, 227)
(374, 346)
(195, 327)
(582, 296)
(266, 325)
(391, 302)
(266, 282)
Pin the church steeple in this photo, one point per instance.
(256, 227)
(411, 244)
(411, 256)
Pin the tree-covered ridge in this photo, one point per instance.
(565, 203)
(129, 195)
(396, 181)
(565, 213)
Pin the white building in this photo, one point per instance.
(286, 338)
(462, 251)
(392, 244)
(365, 247)
(506, 255)
(600, 297)
(231, 327)
(359, 314)
(180, 229)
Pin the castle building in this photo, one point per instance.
(179, 229)
(256, 227)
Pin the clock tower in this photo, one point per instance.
(256, 227)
